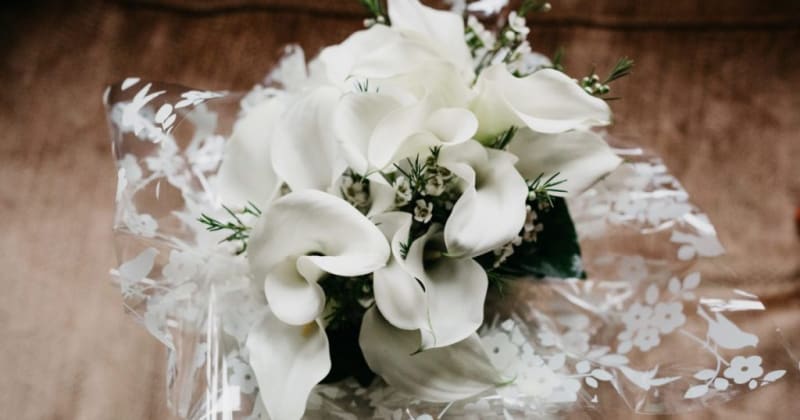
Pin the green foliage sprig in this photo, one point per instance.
(239, 231)
(503, 139)
(541, 190)
(376, 9)
(509, 44)
(597, 87)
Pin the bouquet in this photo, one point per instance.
(393, 227)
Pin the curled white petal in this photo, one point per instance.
(399, 297)
(390, 135)
(417, 291)
(491, 210)
(547, 101)
(300, 237)
(288, 361)
(452, 125)
(355, 118)
(443, 374)
(295, 298)
(446, 280)
(381, 193)
(580, 157)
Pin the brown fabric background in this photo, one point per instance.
(716, 91)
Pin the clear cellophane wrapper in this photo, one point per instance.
(653, 329)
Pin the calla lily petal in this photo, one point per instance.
(288, 361)
(452, 125)
(416, 292)
(446, 280)
(246, 172)
(399, 297)
(580, 157)
(443, 374)
(300, 237)
(445, 29)
(392, 132)
(382, 194)
(306, 154)
(547, 101)
(294, 298)
(379, 52)
(355, 117)
(491, 210)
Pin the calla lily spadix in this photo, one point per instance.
(417, 291)
(491, 210)
(300, 238)
(546, 101)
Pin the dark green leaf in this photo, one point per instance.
(556, 252)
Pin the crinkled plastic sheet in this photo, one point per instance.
(622, 337)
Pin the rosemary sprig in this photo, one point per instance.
(558, 60)
(502, 141)
(362, 87)
(542, 190)
(533, 6)
(621, 69)
(404, 247)
(375, 7)
(416, 173)
(594, 86)
(239, 230)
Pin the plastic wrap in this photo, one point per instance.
(621, 337)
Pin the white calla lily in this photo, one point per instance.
(376, 53)
(417, 291)
(381, 193)
(579, 157)
(491, 210)
(288, 361)
(399, 297)
(302, 236)
(446, 280)
(547, 101)
(442, 374)
(306, 154)
(442, 30)
(376, 129)
(419, 37)
(246, 173)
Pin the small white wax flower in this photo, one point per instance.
(531, 229)
(402, 191)
(355, 192)
(502, 254)
(435, 186)
(485, 36)
(518, 24)
(423, 212)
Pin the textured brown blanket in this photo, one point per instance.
(716, 91)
